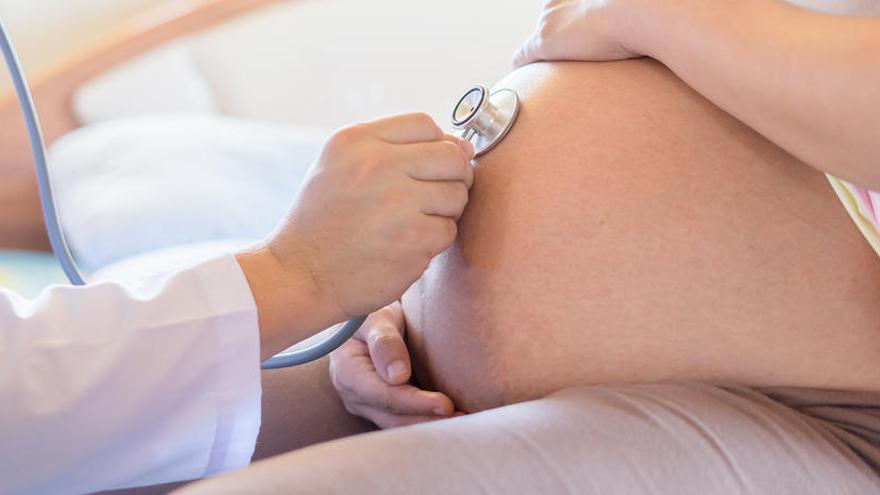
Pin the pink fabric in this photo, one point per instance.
(869, 202)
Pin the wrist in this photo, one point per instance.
(290, 306)
(649, 27)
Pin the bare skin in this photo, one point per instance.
(746, 56)
(790, 304)
(660, 239)
(739, 70)
(629, 231)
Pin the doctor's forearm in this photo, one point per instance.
(807, 81)
(289, 306)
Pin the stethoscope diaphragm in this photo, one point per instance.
(484, 118)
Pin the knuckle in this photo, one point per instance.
(384, 342)
(443, 238)
(450, 234)
(460, 194)
(425, 120)
(344, 137)
(351, 409)
(386, 313)
(376, 161)
(414, 237)
(372, 166)
(454, 154)
(385, 399)
(337, 381)
(393, 200)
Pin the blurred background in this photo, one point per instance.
(47, 31)
(180, 129)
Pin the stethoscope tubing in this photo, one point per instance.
(38, 149)
(56, 233)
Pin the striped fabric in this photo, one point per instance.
(863, 206)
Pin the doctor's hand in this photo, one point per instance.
(585, 30)
(372, 371)
(379, 204)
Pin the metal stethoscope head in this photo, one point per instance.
(485, 118)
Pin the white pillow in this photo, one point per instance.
(165, 81)
(166, 260)
(131, 186)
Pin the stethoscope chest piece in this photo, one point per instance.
(484, 118)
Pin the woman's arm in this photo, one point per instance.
(809, 82)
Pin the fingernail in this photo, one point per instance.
(395, 369)
(439, 412)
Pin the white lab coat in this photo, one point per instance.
(118, 385)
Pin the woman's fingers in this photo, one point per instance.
(407, 399)
(371, 390)
(358, 382)
(370, 373)
(385, 419)
(383, 333)
(388, 352)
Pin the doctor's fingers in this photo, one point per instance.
(406, 128)
(439, 161)
(446, 199)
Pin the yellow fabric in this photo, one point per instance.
(862, 219)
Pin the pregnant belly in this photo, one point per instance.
(648, 237)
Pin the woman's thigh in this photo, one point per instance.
(629, 231)
(301, 408)
(667, 438)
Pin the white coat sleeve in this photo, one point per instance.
(117, 385)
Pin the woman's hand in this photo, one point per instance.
(372, 370)
(578, 30)
(738, 56)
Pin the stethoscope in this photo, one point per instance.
(483, 118)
